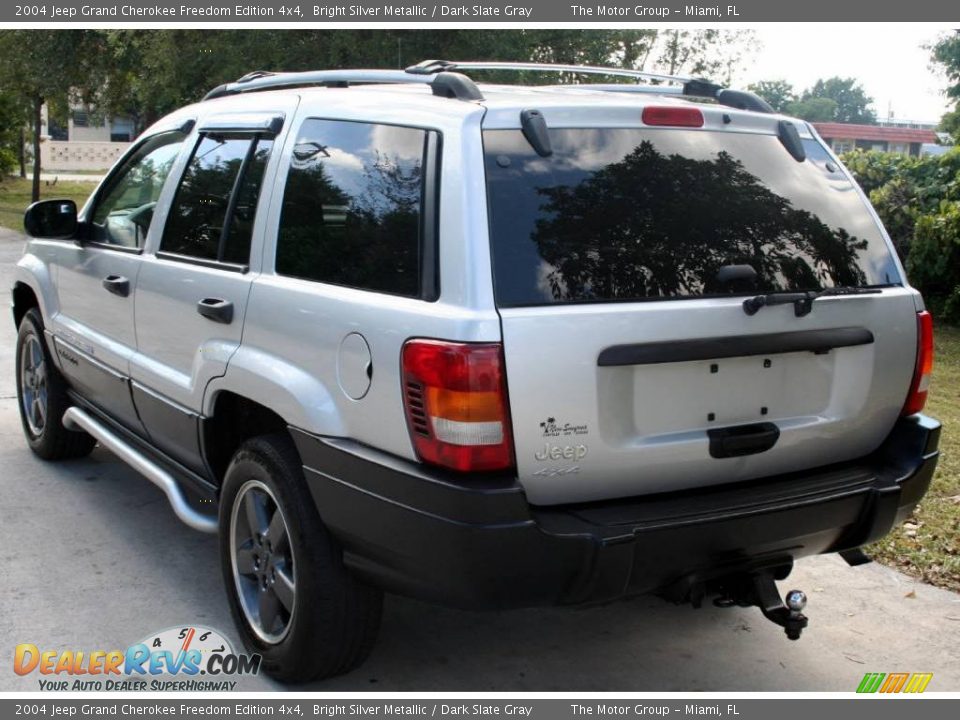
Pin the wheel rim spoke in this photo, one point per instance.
(35, 355)
(33, 385)
(285, 588)
(40, 412)
(245, 561)
(269, 609)
(277, 532)
(256, 512)
(263, 561)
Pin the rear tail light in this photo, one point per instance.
(921, 374)
(672, 116)
(455, 395)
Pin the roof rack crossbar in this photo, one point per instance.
(444, 84)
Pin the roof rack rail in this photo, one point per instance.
(428, 67)
(444, 84)
(693, 87)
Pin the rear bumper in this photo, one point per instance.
(479, 544)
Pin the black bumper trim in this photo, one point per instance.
(476, 542)
(313, 472)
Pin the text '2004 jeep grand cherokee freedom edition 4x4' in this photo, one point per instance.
(485, 345)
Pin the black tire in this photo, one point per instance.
(48, 439)
(333, 623)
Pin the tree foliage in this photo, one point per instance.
(144, 74)
(37, 66)
(616, 234)
(918, 199)
(779, 93)
(946, 53)
(13, 118)
(950, 124)
(713, 54)
(814, 109)
(833, 99)
(852, 104)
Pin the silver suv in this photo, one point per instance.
(486, 345)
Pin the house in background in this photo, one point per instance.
(83, 127)
(901, 137)
(86, 143)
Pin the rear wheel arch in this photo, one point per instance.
(234, 420)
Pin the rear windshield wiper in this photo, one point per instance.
(802, 301)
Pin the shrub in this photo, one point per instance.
(918, 200)
(934, 262)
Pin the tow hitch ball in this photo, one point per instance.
(760, 590)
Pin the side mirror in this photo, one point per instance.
(51, 219)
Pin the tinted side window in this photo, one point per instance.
(124, 211)
(213, 211)
(352, 206)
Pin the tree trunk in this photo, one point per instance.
(23, 153)
(37, 126)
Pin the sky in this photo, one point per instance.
(888, 60)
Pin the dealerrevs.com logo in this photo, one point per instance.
(181, 658)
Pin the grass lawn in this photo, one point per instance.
(15, 196)
(928, 544)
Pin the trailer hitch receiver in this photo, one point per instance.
(760, 590)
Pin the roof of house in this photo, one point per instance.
(849, 131)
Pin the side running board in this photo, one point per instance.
(76, 419)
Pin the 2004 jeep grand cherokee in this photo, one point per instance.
(489, 346)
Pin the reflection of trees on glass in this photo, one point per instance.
(654, 225)
(237, 247)
(351, 208)
(200, 207)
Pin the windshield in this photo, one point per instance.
(620, 214)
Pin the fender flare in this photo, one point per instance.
(289, 391)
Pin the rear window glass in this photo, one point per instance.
(632, 214)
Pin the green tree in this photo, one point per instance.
(779, 93)
(950, 124)
(934, 262)
(148, 73)
(41, 65)
(814, 109)
(852, 102)
(946, 53)
(13, 120)
(153, 72)
(713, 54)
(918, 199)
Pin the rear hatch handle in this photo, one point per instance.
(739, 440)
(802, 301)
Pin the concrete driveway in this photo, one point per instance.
(95, 559)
